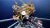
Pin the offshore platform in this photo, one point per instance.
(22, 15)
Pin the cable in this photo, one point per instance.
(6, 20)
(43, 19)
(13, 24)
(40, 18)
(22, 1)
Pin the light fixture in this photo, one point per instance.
(23, 13)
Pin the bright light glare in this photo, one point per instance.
(23, 13)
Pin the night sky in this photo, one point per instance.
(42, 10)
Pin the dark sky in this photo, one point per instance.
(42, 8)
